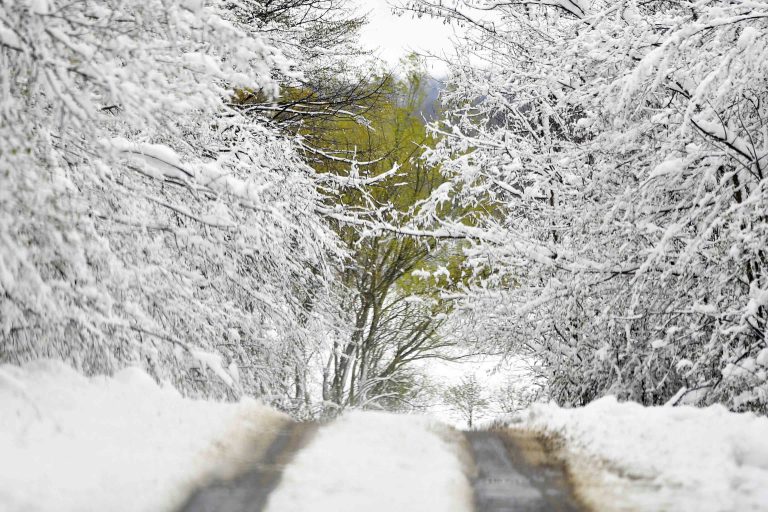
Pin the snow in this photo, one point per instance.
(762, 357)
(376, 462)
(668, 167)
(628, 457)
(215, 363)
(123, 444)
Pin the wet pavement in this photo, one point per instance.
(516, 474)
(250, 491)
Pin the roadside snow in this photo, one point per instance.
(122, 444)
(376, 462)
(624, 456)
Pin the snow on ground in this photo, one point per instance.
(376, 462)
(624, 456)
(122, 444)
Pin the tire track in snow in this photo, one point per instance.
(250, 491)
(513, 471)
(515, 474)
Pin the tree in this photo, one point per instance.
(331, 76)
(467, 399)
(145, 218)
(395, 318)
(616, 150)
(517, 395)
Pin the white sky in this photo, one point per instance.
(393, 37)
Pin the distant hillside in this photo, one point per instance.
(430, 108)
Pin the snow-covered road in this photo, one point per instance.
(376, 462)
(382, 462)
(514, 472)
(250, 490)
(69, 443)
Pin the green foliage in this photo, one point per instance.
(392, 135)
(396, 316)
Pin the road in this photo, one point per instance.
(516, 474)
(510, 471)
(250, 491)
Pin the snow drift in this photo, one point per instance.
(123, 444)
(623, 456)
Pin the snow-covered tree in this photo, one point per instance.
(467, 399)
(611, 158)
(143, 218)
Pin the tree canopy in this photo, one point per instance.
(620, 151)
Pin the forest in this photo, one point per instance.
(237, 197)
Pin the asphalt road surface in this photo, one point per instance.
(250, 491)
(513, 473)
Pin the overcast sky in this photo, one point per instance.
(395, 36)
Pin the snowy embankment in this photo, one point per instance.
(377, 462)
(71, 443)
(626, 457)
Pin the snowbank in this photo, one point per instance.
(71, 443)
(624, 456)
(375, 462)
